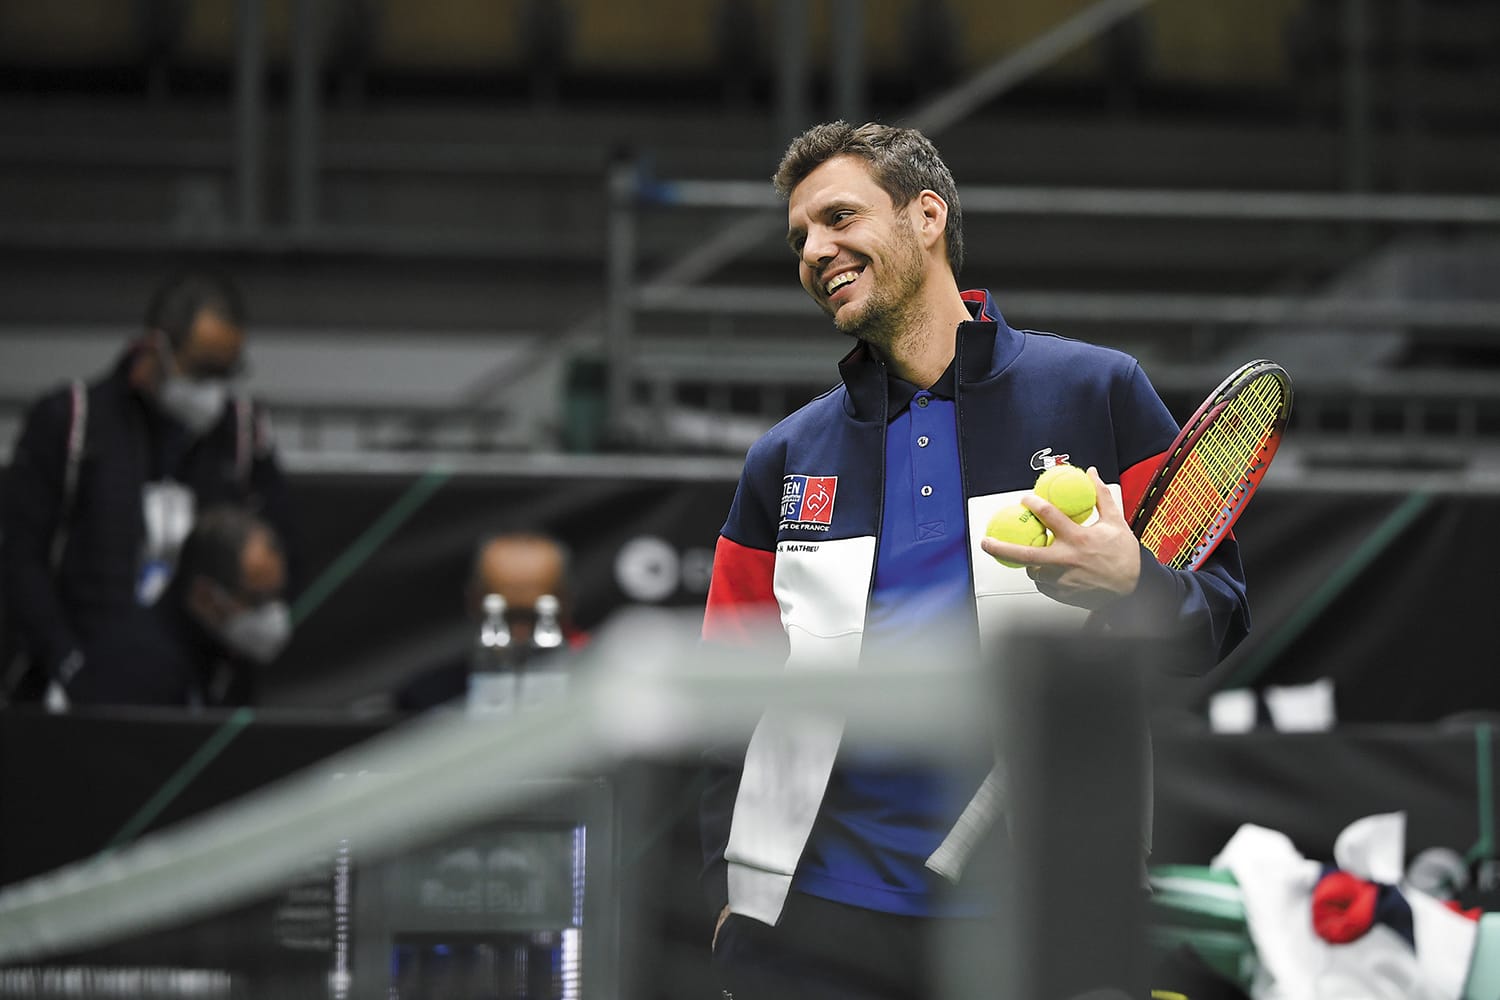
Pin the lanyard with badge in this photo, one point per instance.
(167, 509)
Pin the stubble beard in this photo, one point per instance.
(893, 309)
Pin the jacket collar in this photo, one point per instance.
(984, 345)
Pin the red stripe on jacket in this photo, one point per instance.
(741, 597)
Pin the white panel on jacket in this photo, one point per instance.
(823, 588)
(1006, 597)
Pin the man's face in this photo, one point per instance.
(252, 620)
(191, 381)
(262, 570)
(519, 570)
(858, 254)
(214, 348)
(262, 581)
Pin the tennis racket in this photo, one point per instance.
(1215, 466)
(1208, 475)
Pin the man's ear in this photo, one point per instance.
(933, 218)
(159, 344)
(146, 366)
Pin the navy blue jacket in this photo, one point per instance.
(799, 545)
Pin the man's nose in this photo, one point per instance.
(819, 248)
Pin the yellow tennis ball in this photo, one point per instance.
(1018, 525)
(1069, 489)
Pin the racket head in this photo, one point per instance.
(1214, 466)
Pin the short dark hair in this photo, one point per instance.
(216, 545)
(179, 299)
(903, 161)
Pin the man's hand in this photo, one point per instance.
(1088, 567)
(723, 916)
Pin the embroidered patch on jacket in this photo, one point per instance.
(807, 501)
(1044, 459)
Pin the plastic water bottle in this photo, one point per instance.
(547, 636)
(493, 681)
(544, 678)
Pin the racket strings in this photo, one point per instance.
(1217, 468)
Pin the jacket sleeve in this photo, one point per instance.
(741, 609)
(272, 496)
(32, 511)
(1205, 610)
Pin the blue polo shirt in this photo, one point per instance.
(881, 815)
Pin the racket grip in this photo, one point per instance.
(973, 823)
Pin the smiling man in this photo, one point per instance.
(858, 526)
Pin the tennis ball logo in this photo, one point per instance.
(1019, 526)
(1069, 489)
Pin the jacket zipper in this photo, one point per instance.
(963, 472)
(885, 430)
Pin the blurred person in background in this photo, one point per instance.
(521, 567)
(221, 620)
(105, 479)
(827, 867)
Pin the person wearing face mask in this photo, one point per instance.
(218, 623)
(106, 478)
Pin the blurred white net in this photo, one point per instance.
(455, 856)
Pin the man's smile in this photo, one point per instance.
(841, 280)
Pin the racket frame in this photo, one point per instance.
(1182, 447)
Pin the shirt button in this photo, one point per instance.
(927, 491)
(922, 402)
(923, 441)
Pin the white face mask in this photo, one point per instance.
(259, 633)
(195, 403)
